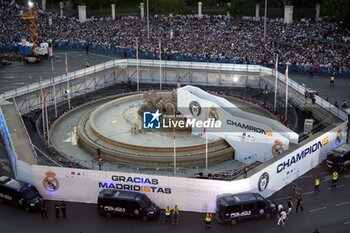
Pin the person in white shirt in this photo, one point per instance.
(282, 218)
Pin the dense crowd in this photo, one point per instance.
(303, 43)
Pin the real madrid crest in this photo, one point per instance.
(195, 108)
(213, 114)
(277, 148)
(50, 182)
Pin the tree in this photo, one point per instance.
(242, 7)
(162, 7)
(337, 9)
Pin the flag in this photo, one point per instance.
(286, 109)
(276, 67)
(66, 66)
(174, 133)
(53, 71)
(276, 74)
(137, 51)
(160, 48)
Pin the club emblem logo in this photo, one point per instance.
(195, 108)
(263, 181)
(50, 182)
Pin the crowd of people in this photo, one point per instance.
(311, 45)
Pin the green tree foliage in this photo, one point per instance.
(242, 7)
(167, 6)
(337, 9)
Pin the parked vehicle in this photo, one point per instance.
(338, 159)
(19, 193)
(126, 203)
(236, 207)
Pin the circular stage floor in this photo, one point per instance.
(114, 125)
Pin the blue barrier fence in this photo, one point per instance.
(130, 53)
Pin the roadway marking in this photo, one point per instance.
(5, 167)
(322, 208)
(308, 176)
(347, 222)
(344, 203)
(338, 186)
(308, 193)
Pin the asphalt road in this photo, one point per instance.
(328, 210)
(20, 74)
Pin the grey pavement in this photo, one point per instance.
(328, 210)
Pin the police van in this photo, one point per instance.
(338, 159)
(232, 208)
(19, 193)
(126, 203)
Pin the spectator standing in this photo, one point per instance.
(63, 209)
(279, 208)
(282, 218)
(162, 216)
(299, 204)
(289, 206)
(43, 210)
(245, 172)
(57, 209)
(176, 215)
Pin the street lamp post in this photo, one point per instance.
(265, 20)
(147, 20)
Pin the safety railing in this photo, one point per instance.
(168, 65)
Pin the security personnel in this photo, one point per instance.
(334, 179)
(331, 81)
(43, 210)
(208, 218)
(87, 63)
(317, 184)
(175, 215)
(167, 214)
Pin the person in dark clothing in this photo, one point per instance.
(87, 48)
(63, 208)
(57, 209)
(299, 204)
(43, 210)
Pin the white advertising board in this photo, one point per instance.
(288, 168)
(11, 152)
(80, 185)
(251, 140)
(57, 183)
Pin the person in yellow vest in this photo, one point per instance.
(331, 81)
(167, 214)
(317, 184)
(334, 179)
(176, 215)
(208, 218)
